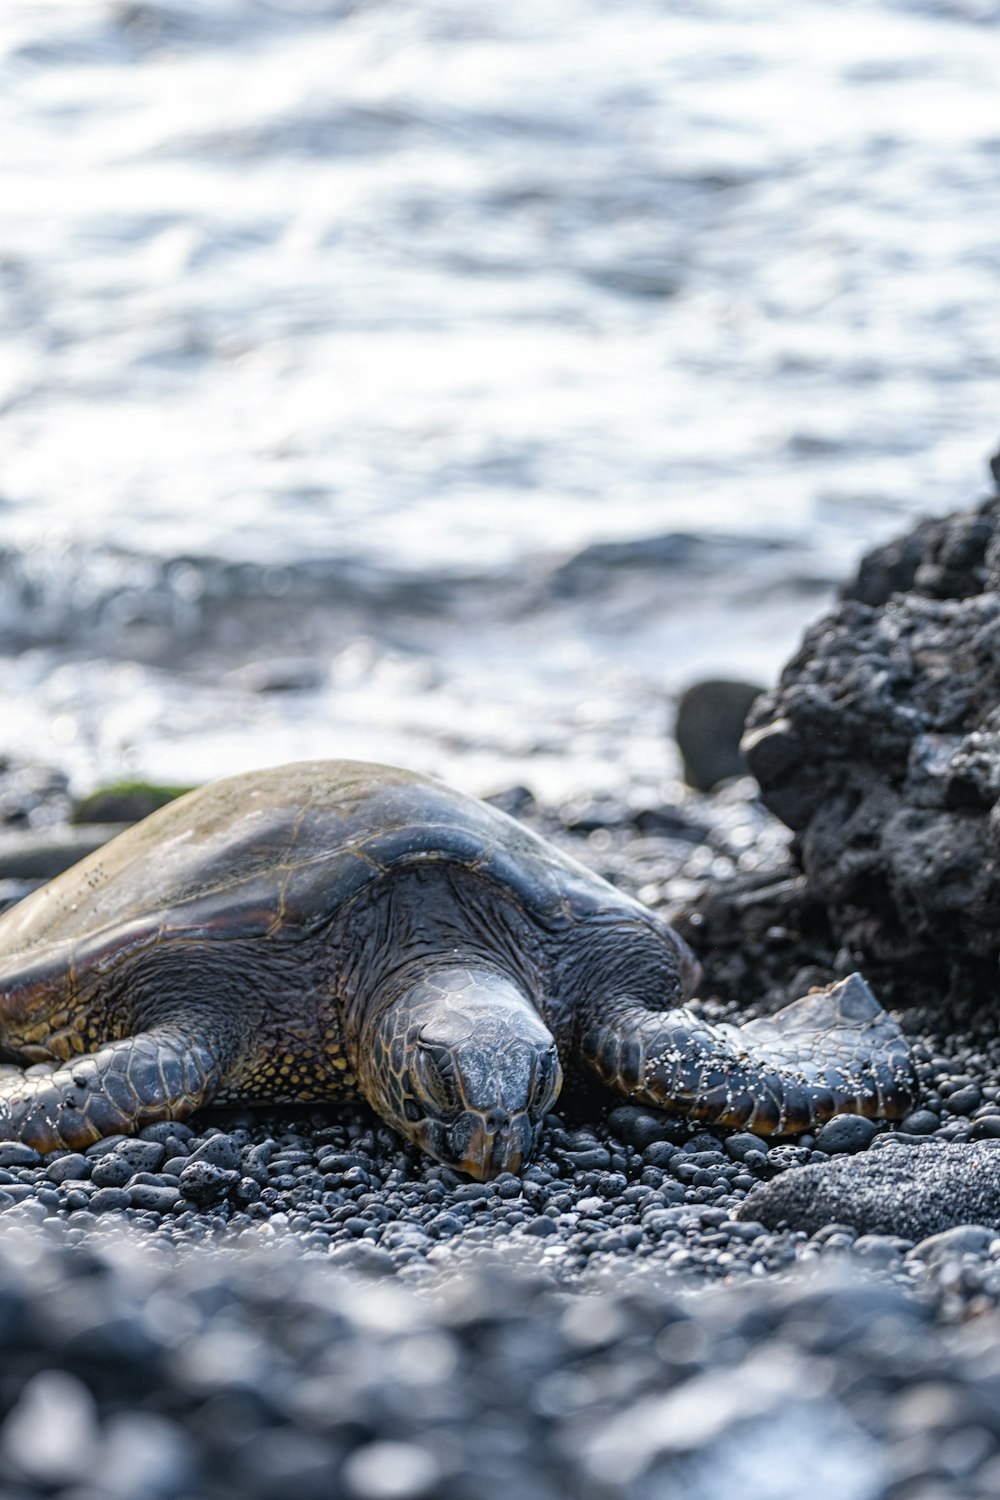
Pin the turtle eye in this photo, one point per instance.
(437, 1074)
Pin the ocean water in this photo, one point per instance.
(452, 383)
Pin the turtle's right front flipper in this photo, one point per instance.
(162, 1074)
(835, 1050)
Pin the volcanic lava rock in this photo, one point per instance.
(880, 747)
(914, 1191)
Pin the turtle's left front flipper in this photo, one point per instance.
(835, 1050)
(161, 1074)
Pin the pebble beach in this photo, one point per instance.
(453, 387)
(257, 1301)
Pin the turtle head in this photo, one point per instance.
(460, 1062)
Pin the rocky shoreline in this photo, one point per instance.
(261, 1302)
(243, 1227)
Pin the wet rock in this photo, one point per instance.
(878, 1250)
(542, 1225)
(741, 1143)
(172, 1134)
(708, 728)
(107, 1199)
(964, 1100)
(247, 1190)
(142, 1156)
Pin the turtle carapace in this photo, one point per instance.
(331, 929)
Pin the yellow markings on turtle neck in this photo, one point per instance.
(60, 1047)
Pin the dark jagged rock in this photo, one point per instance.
(880, 747)
(950, 557)
(761, 937)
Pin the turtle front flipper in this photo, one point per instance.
(162, 1074)
(834, 1051)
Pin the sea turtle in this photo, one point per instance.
(331, 929)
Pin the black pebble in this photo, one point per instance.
(846, 1134)
(205, 1182)
(593, 1160)
(220, 1151)
(542, 1225)
(964, 1100)
(147, 1195)
(708, 727)
(72, 1165)
(145, 1156)
(112, 1171)
(107, 1198)
(106, 1145)
(920, 1122)
(14, 1154)
(365, 1258)
(640, 1127)
(659, 1154)
(741, 1142)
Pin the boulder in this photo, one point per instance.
(880, 747)
(709, 725)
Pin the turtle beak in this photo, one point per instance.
(487, 1144)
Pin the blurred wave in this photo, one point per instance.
(321, 316)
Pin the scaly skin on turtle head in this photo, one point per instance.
(459, 1061)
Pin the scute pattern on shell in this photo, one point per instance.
(280, 850)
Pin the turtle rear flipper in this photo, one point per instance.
(162, 1074)
(835, 1050)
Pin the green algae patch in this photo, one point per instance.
(125, 802)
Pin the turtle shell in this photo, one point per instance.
(278, 852)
